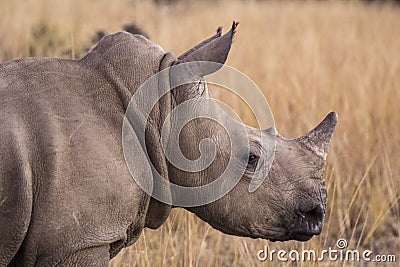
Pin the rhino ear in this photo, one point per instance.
(214, 49)
(318, 139)
(206, 41)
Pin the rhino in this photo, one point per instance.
(67, 196)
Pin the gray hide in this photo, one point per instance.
(66, 194)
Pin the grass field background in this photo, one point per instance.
(308, 58)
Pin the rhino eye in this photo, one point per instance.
(201, 88)
(252, 162)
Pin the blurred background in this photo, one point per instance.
(308, 57)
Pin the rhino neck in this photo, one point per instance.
(157, 211)
(126, 61)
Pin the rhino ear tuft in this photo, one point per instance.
(318, 139)
(214, 49)
(191, 50)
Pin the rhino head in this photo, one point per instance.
(289, 201)
(289, 204)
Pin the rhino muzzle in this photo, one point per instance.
(308, 222)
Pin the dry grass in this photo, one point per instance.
(309, 58)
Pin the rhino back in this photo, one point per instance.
(62, 161)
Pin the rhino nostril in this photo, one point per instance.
(310, 219)
(315, 214)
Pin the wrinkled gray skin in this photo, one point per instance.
(66, 194)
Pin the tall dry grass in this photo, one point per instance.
(309, 58)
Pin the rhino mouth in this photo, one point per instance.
(307, 222)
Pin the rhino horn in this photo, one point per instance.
(214, 49)
(317, 140)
